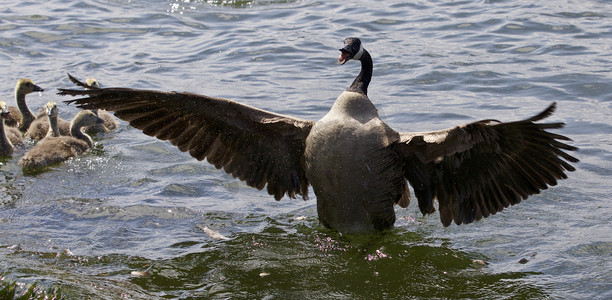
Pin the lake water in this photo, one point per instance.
(130, 218)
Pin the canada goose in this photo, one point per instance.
(9, 136)
(110, 123)
(22, 115)
(357, 165)
(54, 149)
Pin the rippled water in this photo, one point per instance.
(130, 218)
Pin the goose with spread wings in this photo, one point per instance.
(358, 166)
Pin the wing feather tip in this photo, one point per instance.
(545, 113)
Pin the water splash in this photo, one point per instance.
(377, 255)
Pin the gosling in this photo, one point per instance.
(40, 128)
(55, 149)
(9, 136)
(110, 123)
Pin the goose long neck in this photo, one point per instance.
(26, 113)
(53, 127)
(361, 83)
(75, 131)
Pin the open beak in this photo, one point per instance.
(344, 56)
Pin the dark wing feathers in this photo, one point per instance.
(478, 169)
(81, 84)
(256, 146)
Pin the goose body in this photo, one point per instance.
(358, 167)
(21, 114)
(353, 126)
(53, 148)
(9, 136)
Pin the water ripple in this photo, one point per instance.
(136, 205)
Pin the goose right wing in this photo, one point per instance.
(259, 147)
(478, 169)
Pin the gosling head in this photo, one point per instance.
(51, 109)
(92, 82)
(26, 86)
(352, 50)
(87, 118)
(4, 112)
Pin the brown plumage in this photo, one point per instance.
(54, 149)
(40, 126)
(109, 123)
(357, 165)
(9, 136)
(21, 114)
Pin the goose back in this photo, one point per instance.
(355, 175)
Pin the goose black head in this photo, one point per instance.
(352, 50)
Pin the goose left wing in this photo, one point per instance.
(259, 147)
(478, 169)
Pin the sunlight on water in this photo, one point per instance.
(179, 6)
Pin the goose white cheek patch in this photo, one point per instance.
(359, 53)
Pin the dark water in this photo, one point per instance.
(130, 218)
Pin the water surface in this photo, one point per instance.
(129, 219)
